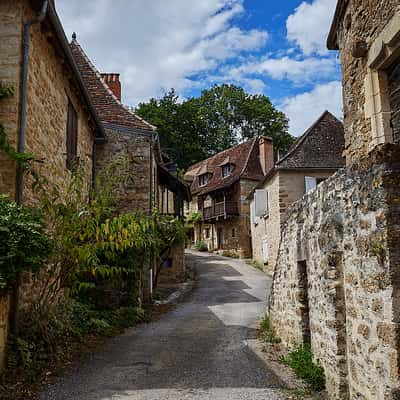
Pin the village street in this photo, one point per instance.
(198, 351)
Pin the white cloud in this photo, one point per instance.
(297, 71)
(309, 25)
(158, 44)
(305, 108)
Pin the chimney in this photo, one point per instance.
(266, 148)
(112, 81)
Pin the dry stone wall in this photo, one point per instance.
(336, 282)
(132, 192)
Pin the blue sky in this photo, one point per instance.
(272, 47)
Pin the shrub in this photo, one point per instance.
(230, 253)
(300, 360)
(201, 246)
(24, 246)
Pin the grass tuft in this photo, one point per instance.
(268, 334)
(300, 360)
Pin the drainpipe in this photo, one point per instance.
(24, 88)
(19, 189)
(151, 177)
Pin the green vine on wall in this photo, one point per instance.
(7, 91)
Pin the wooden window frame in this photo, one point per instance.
(383, 52)
(72, 137)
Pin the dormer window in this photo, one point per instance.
(203, 179)
(226, 170)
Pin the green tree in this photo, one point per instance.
(221, 117)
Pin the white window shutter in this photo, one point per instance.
(252, 211)
(265, 251)
(310, 182)
(261, 202)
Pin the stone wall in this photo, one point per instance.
(268, 227)
(49, 87)
(132, 192)
(176, 271)
(340, 249)
(284, 188)
(10, 56)
(364, 20)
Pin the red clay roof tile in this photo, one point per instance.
(108, 107)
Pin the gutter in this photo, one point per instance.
(19, 186)
(19, 192)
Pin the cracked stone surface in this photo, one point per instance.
(197, 351)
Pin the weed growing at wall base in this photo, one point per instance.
(267, 332)
(300, 360)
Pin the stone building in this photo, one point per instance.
(63, 112)
(220, 186)
(336, 282)
(149, 180)
(315, 156)
(50, 114)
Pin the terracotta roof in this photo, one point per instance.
(337, 19)
(245, 159)
(321, 146)
(109, 108)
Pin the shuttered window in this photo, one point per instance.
(394, 96)
(261, 203)
(72, 136)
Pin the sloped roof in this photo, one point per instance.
(109, 108)
(246, 164)
(321, 146)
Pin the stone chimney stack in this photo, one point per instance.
(113, 82)
(266, 149)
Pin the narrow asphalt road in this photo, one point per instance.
(198, 351)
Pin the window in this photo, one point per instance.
(311, 182)
(233, 232)
(203, 179)
(261, 205)
(382, 102)
(72, 136)
(226, 170)
(207, 233)
(394, 97)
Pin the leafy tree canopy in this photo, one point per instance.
(225, 115)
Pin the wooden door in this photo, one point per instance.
(220, 238)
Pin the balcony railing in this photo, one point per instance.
(223, 209)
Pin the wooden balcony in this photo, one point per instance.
(221, 210)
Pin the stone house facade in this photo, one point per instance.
(220, 187)
(50, 114)
(71, 116)
(54, 88)
(149, 181)
(315, 156)
(336, 281)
